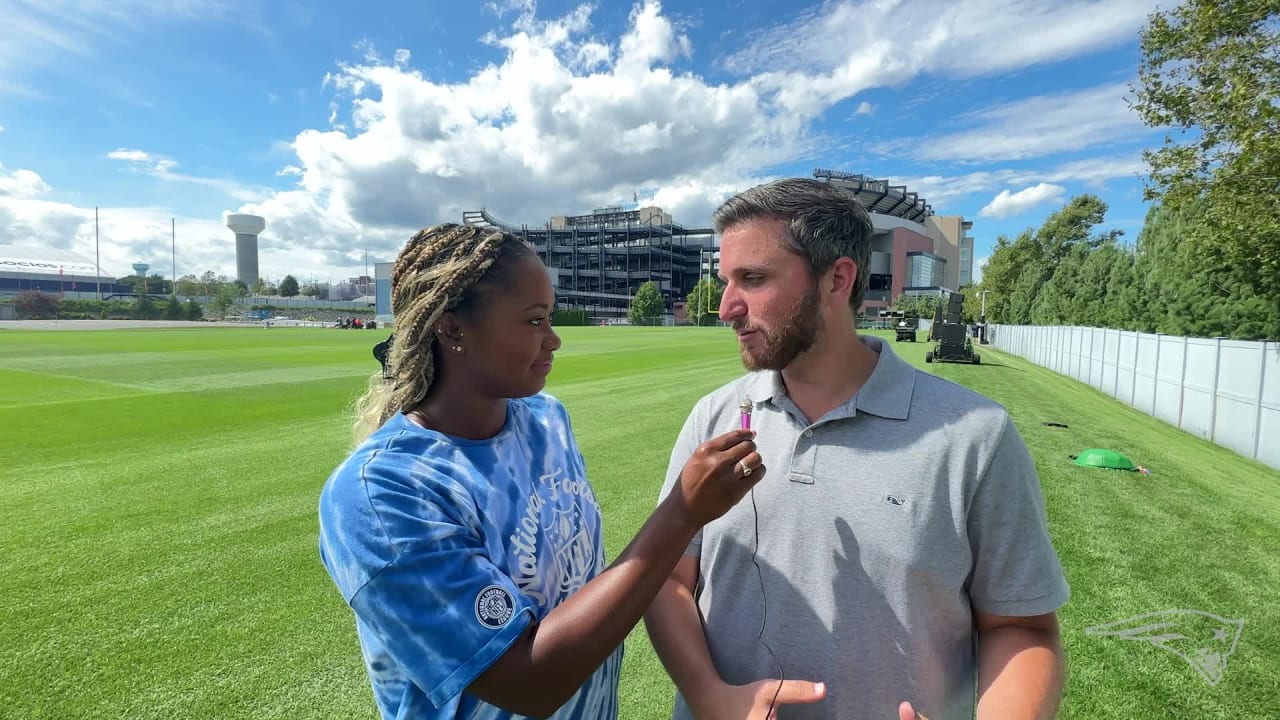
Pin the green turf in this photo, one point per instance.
(157, 520)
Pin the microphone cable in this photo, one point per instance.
(746, 408)
(764, 619)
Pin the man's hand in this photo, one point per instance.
(751, 702)
(907, 712)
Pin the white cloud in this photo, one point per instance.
(864, 108)
(566, 121)
(1039, 126)
(126, 235)
(1095, 172)
(162, 168)
(130, 234)
(402, 57)
(836, 50)
(1, 128)
(531, 136)
(129, 155)
(1006, 204)
(21, 184)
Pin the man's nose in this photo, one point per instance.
(731, 304)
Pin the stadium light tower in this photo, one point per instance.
(247, 228)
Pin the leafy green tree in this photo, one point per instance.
(193, 311)
(189, 285)
(647, 305)
(210, 284)
(1002, 270)
(703, 304)
(226, 298)
(145, 309)
(173, 309)
(1058, 302)
(158, 285)
(133, 282)
(1210, 70)
(1126, 308)
(289, 286)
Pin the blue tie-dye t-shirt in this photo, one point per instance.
(447, 549)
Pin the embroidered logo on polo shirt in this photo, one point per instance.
(495, 606)
(892, 499)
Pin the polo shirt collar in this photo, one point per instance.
(886, 393)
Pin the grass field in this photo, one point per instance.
(158, 520)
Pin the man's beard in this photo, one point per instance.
(783, 344)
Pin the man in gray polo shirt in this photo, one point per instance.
(896, 552)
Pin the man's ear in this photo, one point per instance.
(844, 273)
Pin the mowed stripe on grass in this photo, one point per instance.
(159, 525)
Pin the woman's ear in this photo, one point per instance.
(448, 329)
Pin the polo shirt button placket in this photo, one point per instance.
(803, 456)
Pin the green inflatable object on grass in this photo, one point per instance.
(1099, 458)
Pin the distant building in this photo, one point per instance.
(598, 260)
(913, 251)
(52, 270)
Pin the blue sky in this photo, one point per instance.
(355, 126)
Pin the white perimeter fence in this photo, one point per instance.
(1226, 391)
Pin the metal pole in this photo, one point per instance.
(96, 255)
(173, 249)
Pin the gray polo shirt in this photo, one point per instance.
(882, 527)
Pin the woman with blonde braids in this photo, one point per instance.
(463, 532)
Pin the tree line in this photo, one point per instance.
(1067, 273)
(1207, 261)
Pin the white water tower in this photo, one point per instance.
(247, 228)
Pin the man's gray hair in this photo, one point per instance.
(825, 223)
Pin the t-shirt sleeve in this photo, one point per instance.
(686, 443)
(442, 607)
(1016, 570)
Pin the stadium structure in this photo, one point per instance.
(913, 251)
(599, 260)
(52, 270)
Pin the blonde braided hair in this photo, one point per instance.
(438, 270)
